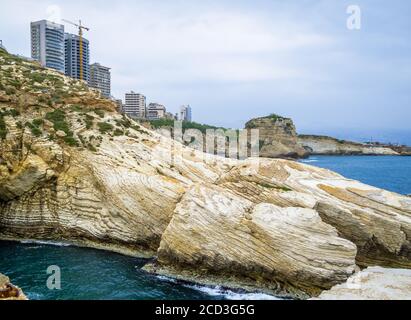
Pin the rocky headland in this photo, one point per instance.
(73, 169)
(278, 137)
(323, 145)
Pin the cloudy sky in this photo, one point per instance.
(234, 60)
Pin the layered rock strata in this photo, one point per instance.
(273, 225)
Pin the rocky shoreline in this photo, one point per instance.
(268, 224)
(323, 145)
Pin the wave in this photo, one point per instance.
(49, 243)
(35, 296)
(218, 291)
(309, 160)
(165, 278)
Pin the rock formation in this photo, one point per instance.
(8, 291)
(323, 145)
(278, 137)
(275, 225)
(373, 283)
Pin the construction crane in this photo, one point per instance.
(80, 35)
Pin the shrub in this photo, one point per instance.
(105, 127)
(15, 83)
(37, 122)
(35, 130)
(118, 132)
(14, 112)
(89, 121)
(58, 117)
(10, 91)
(123, 122)
(99, 112)
(78, 108)
(3, 127)
(71, 141)
(37, 77)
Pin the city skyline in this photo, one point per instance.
(299, 61)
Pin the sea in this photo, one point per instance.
(99, 275)
(391, 173)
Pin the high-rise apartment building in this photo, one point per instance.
(100, 78)
(155, 111)
(135, 105)
(47, 44)
(185, 113)
(72, 57)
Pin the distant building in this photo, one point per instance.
(156, 111)
(72, 57)
(1, 45)
(135, 105)
(119, 104)
(100, 78)
(47, 44)
(170, 116)
(185, 113)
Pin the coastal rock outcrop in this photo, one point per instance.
(269, 224)
(278, 137)
(9, 291)
(373, 283)
(218, 232)
(323, 145)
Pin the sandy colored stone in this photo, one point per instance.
(217, 231)
(374, 283)
(269, 223)
(61, 134)
(323, 145)
(278, 137)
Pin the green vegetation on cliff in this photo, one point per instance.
(161, 123)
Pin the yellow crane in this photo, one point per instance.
(80, 35)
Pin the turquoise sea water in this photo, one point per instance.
(387, 172)
(94, 274)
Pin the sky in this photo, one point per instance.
(236, 60)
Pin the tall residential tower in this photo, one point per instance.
(47, 44)
(185, 113)
(72, 57)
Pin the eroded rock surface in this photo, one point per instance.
(323, 145)
(8, 291)
(278, 137)
(374, 283)
(108, 183)
(217, 231)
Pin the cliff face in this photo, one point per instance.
(73, 169)
(322, 145)
(278, 137)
